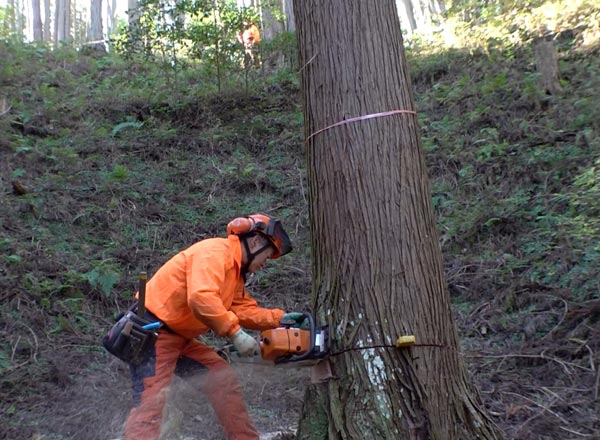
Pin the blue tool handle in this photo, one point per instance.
(152, 325)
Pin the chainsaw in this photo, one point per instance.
(299, 342)
(303, 344)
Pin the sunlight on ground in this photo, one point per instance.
(543, 20)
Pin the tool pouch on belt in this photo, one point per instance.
(128, 341)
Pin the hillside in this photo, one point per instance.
(109, 168)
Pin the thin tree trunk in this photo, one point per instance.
(377, 265)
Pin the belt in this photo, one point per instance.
(152, 317)
(149, 316)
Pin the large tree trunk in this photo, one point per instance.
(377, 265)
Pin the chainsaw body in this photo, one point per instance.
(290, 343)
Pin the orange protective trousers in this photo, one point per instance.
(151, 379)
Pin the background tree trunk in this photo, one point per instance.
(407, 15)
(95, 33)
(36, 16)
(111, 15)
(288, 10)
(47, 21)
(377, 265)
(62, 23)
(9, 17)
(546, 62)
(133, 15)
(271, 25)
(58, 18)
(437, 7)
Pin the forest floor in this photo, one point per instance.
(99, 180)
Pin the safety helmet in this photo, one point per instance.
(268, 227)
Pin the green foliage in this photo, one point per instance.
(128, 159)
(103, 278)
(189, 32)
(123, 125)
(5, 364)
(497, 196)
(119, 173)
(478, 10)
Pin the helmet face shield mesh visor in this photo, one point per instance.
(282, 241)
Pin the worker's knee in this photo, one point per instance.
(188, 367)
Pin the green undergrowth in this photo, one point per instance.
(108, 169)
(105, 175)
(514, 171)
(118, 173)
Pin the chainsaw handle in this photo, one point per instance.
(141, 309)
(308, 353)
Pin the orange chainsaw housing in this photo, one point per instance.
(279, 342)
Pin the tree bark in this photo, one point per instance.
(377, 265)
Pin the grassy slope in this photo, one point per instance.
(105, 172)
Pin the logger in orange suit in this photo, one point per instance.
(249, 37)
(202, 289)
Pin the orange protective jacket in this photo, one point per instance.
(202, 288)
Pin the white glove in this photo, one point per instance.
(245, 344)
